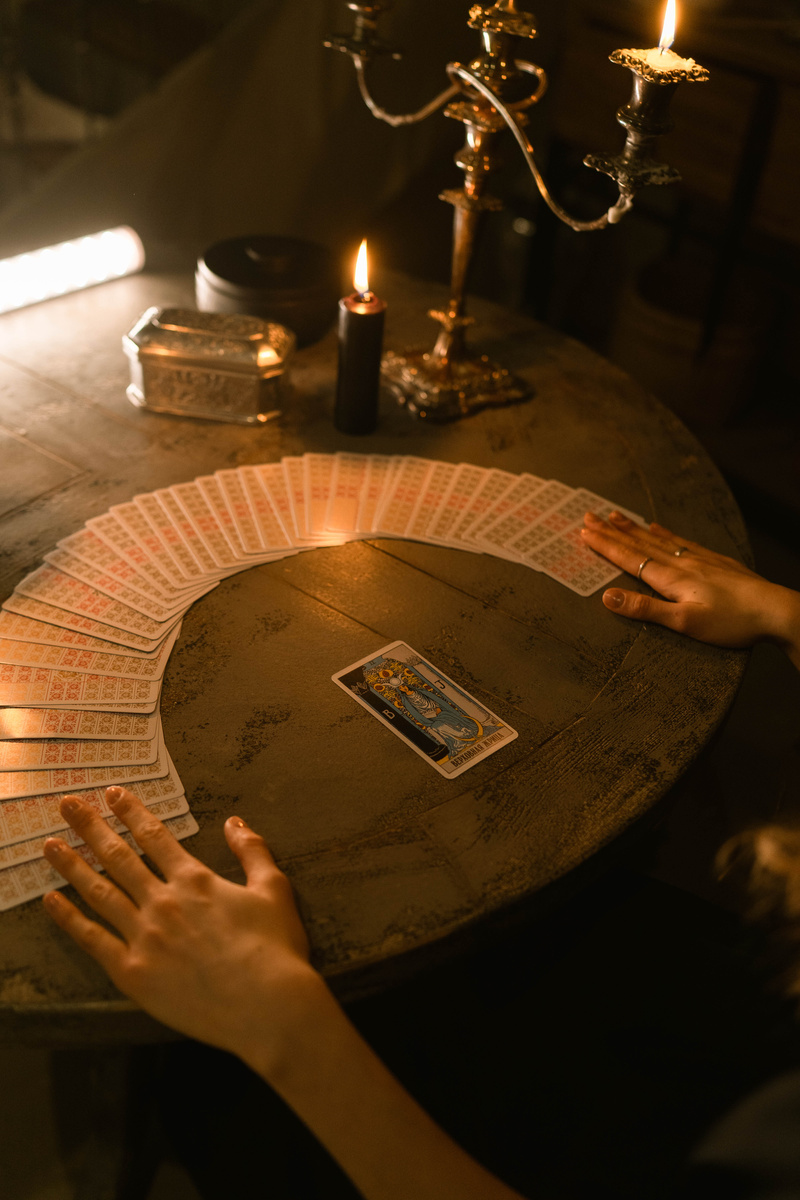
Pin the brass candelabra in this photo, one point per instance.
(493, 93)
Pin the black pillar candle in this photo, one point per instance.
(360, 341)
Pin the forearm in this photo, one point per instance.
(380, 1136)
(784, 610)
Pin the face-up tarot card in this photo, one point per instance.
(433, 715)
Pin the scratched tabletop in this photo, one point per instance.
(391, 863)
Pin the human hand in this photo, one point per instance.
(221, 962)
(229, 965)
(708, 596)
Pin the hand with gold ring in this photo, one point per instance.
(706, 595)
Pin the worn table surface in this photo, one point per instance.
(388, 859)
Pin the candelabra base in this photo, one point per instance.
(445, 389)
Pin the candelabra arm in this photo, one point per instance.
(396, 119)
(616, 211)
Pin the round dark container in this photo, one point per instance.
(283, 279)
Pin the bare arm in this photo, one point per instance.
(229, 965)
(708, 596)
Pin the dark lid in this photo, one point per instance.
(261, 264)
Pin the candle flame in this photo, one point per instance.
(668, 29)
(361, 275)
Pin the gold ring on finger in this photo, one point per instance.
(681, 550)
(642, 566)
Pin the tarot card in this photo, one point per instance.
(93, 551)
(317, 475)
(561, 513)
(380, 470)
(111, 586)
(347, 480)
(430, 497)
(498, 538)
(508, 515)
(28, 880)
(198, 512)
(17, 784)
(49, 614)
(76, 723)
(238, 504)
(271, 529)
(217, 501)
(461, 490)
(400, 496)
(494, 486)
(292, 467)
(134, 518)
(144, 707)
(16, 628)
(34, 687)
(426, 709)
(32, 848)
(273, 479)
(51, 586)
(47, 754)
(176, 528)
(567, 559)
(89, 662)
(38, 816)
(554, 544)
(189, 569)
(118, 538)
(563, 516)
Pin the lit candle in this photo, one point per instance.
(656, 74)
(360, 340)
(661, 64)
(661, 57)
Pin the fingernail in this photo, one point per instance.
(238, 822)
(614, 598)
(53, 845)
(51, 900)
(116, 799)
(70, 806)
(591, 519)
(618, 517)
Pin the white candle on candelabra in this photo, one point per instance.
(661, 57)
(661, 64)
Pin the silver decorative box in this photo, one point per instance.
(221, 366)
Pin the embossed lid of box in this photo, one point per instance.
(220, 366)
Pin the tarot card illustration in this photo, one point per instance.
(431, 713)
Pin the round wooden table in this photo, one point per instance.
(391, 863)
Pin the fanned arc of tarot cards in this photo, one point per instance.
(85, 638)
